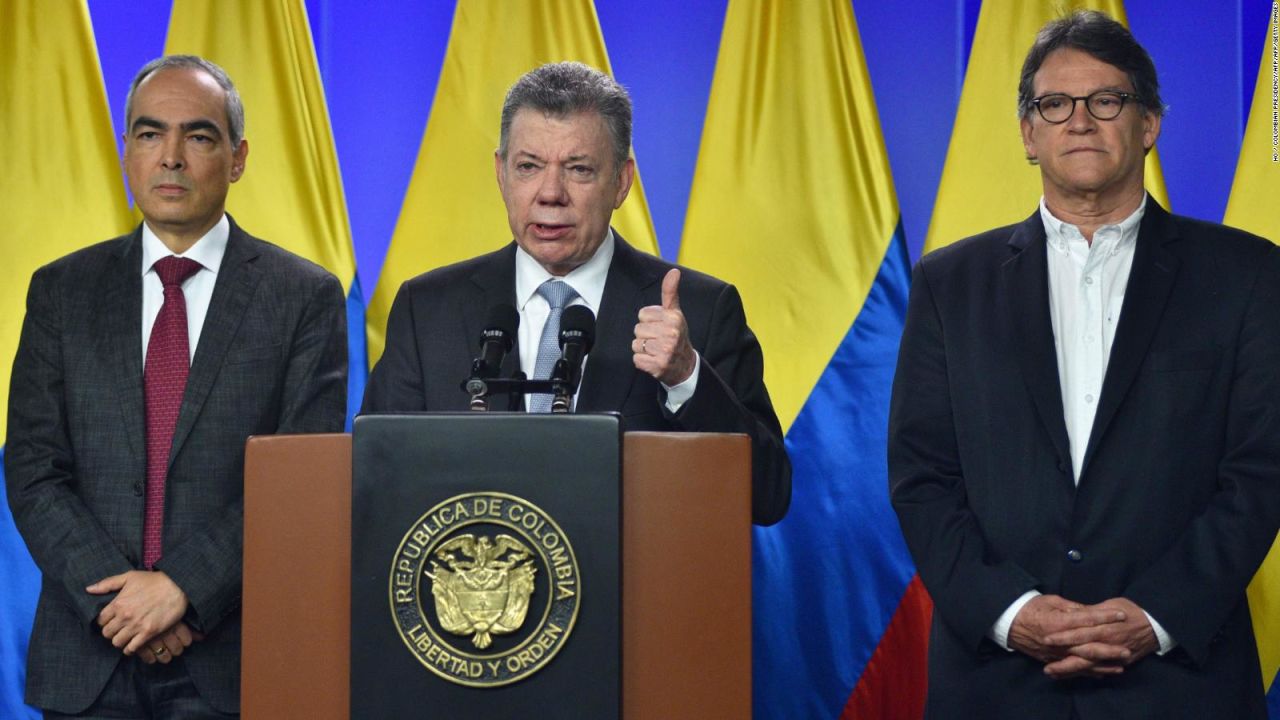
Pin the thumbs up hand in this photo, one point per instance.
(661, 344)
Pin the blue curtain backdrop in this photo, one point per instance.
(1207, 52)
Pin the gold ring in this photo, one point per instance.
(644, 346)
(161, 651)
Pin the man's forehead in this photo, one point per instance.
(180, 96)
(1069, 66)
(581, 134)
(187, 84)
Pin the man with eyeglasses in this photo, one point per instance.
(1084, 446)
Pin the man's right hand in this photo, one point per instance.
(169, 644)
(1045, 615)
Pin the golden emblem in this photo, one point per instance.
(484, 589)
(485, 596)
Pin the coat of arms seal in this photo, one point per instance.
(484, 589)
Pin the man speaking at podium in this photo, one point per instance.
(673, 351)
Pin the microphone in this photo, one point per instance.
(577, 335)
(495, 340)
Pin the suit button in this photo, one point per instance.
(137, 488)
(1074, 555)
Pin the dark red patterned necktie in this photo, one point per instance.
(164, 379)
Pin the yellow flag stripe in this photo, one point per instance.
(452, 210)
(792, 197)
(59, 174)
(291, 192)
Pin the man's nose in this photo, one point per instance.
(551, 190)
(173, 157)
(1081, 120)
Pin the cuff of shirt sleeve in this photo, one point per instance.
(679, 394)
(1166, 640)
(999, 632)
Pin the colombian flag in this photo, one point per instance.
(291, 192)
(1253, 208)
(61, 182)
(793, 202)
(453, 210)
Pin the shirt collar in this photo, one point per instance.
(207, 251)
(1059, 233)
(587, 279)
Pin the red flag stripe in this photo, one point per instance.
(892, 686)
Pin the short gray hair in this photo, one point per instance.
(564, 88)
(234, 107)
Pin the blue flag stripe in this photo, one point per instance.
(21, 586)
(357, 350)
(828, 578)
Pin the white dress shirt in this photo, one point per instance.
(1087, 282)
(197, 289)
(588, 280)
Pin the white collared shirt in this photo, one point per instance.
(588, 280)
(197, 290)
(1086, 292)
(1087, 282)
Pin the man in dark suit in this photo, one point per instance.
(673, 351)
(144, 364)
(1084, 441)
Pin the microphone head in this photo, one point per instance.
(501, 324)
(578, 324)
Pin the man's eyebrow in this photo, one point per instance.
(207, 125)
(1104, 88)
(202, 124)
(145, 121)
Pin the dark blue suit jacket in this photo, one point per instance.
(1179, 495)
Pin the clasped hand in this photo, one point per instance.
(1075, 640)
(145, 616)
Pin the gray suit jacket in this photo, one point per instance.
(434, 329)
(1179, 492)
(271, 359)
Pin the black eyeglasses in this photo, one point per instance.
(1057, 108)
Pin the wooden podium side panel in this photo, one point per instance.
(686, 579)
(297, 590)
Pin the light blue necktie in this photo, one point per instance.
(558, 295)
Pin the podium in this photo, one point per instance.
(685, 578)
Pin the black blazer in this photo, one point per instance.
(434, 328)
(272, 358)
(1179, 494)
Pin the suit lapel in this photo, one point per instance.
(237, 280)
(1150, 281)
(1026, 278)
(121, 329)
(603, 386)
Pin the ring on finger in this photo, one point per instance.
(644, 346)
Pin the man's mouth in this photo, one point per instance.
(549, 231)
(169, 189)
